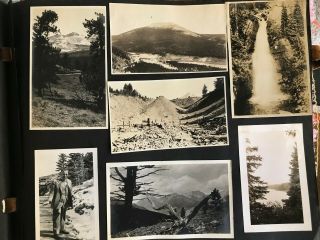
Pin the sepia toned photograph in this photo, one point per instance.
(164, 114)
(67, 67)
(149, 38)
(169, 200)
(273, 178)
(66, 194)
(269, 61)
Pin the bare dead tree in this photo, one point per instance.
(130, 183)
(181, 221)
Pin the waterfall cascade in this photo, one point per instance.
(266, 89)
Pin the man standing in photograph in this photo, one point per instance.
(61, 200)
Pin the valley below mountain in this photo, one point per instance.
(167, 47)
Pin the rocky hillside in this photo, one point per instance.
(210, 106)
(162, 110)
(126, 108)
(185, 102)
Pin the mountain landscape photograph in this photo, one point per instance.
(165, 39)
(169, 199)
(68, 67)
(273, 175)
(163, 114)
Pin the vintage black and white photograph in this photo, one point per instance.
(67, 67)
(149, 38)
(273, 178)
(163, 114)
(66, 194)
(169, 200)
(269, 61)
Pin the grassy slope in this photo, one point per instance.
(62, 110)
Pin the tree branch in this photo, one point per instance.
(119, 174)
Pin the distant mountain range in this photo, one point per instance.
(280, 187)
(186, 200)
(162, 38)
(72, 42)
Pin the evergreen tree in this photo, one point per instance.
(93, 75)
(257, 188)
(293, 205)
(88, 164)
(74, 167)
(284, 20)
(62, 162)
(297, 25)
(45, 56)
(216, 199)
(219, 86)
(204, 90)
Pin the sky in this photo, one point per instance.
(46, 160)
(275, 12)
(184, 178)
(275, 147)
(70, 19)
(173, 88)
(203, 19)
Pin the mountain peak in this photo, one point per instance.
(72, 34)
(166, 25)
(172, 26)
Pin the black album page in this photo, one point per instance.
(165, 120)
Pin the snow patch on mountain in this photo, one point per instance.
(71, 42)
(174, 27)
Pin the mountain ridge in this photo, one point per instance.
(163, 38)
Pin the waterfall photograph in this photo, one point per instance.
(269, 66)
(273, 178)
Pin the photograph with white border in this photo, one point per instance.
(68, 68)
(269, 58)
(273, 178)
(151, 38)
(66, 194)
(169, 200)
(167, 114)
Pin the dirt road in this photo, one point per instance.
(46, 232)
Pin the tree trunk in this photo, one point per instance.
(130, 185)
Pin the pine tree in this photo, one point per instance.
(129, 183)
(94, 75)
(62, 162)
(257, 188)
(216, 199)
(74, 167)
(88, 164)
(204, 90)
(45, 56)
(284, 20)
(297, 21)
(293, 205)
